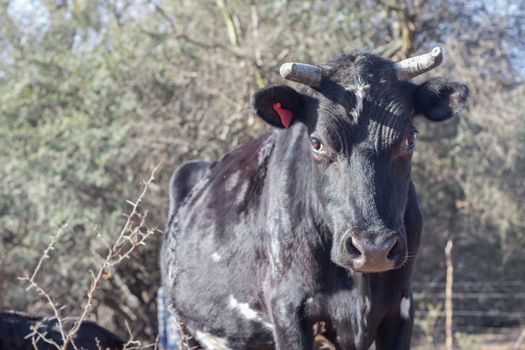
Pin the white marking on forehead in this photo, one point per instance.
(216, 257)
(246, 311)
(404, 308)
(359, 93)
(212, 342)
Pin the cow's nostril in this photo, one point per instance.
(392, 252)
(352, 249)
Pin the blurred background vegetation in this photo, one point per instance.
(95, 93)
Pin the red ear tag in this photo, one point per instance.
(284, 114)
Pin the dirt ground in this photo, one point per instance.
(509, 339)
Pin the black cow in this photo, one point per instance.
(16, 331)
(314, 222)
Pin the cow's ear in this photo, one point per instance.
(439, 99)
(279, 105)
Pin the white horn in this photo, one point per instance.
(301, 73)
(414, 66)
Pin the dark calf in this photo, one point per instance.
(16, 327)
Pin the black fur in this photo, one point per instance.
(438, 99)
(260, 249)
(16, 326)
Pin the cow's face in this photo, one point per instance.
(359, 120)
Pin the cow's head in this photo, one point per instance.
(358, 111)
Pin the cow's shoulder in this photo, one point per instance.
(245, 159)
(234, 182)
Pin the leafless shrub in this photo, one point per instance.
(133, 235)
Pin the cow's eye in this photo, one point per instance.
(317, 145)
(410, 141)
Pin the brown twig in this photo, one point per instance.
(33, 284)
(132, 235)
(109, 262)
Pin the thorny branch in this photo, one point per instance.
(134, 234)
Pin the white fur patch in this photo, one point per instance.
(246, 311)
(366, 310)
(404, 308)
(359, 97)
(275, 253)
(216, 257)
(212, 342)
(243, 308)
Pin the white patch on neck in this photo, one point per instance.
(212, 342)
(404, 308)
(245, 311)
(359, 92)
(216, 257)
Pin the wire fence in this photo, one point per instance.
(494, 308)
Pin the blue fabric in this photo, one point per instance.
(169, 337)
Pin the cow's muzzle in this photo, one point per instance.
(373, 251)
